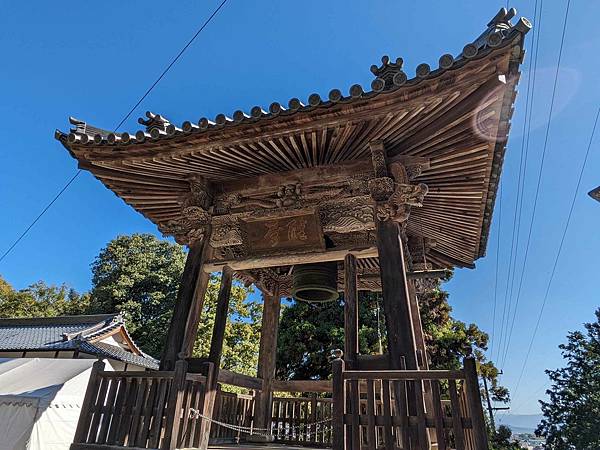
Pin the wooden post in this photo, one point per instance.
(415, 313)
(216, 350)
(339, 405)
(350, 312)
(190, 298)
(218, 334)
(90, 394)
(210, 394)
(423, 361)
(175, 401)
(266, 360)
(396, 303)
(475, 406)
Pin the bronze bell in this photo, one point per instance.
(316, 283)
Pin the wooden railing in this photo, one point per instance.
(230, 408)
(143, 410)
(386, 409)
(302, 420)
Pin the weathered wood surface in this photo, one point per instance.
(396, 304)
(378, 411)
(453, 123)
(184, 322)
(266, 359)
(350, 311)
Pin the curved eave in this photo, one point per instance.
(169, 155)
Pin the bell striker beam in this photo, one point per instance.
(350, 311)
(267, 358)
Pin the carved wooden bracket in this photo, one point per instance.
(195, 214)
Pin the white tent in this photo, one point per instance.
(40, 401)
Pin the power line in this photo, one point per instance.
(545, 146)
(560, 247)
(39, 216)
(142, 98)
(497, 268)
(531, 82)
(518, 203)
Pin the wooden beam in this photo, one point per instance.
(187, 310)
(260, 262)
(302, 386)
(240, 380)
(350, 311)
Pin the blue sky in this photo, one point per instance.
(93, 60)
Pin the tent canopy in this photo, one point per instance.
(40, 401)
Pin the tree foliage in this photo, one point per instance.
(501, 440)
(572, 413)
(139, 277)
(41, 300)
(308, 333)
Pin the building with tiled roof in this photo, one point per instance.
(90, 336)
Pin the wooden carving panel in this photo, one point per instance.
(274, 235)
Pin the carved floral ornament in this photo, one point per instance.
(342, 207)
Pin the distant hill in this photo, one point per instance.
(519, 423)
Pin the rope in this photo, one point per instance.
(196, 414)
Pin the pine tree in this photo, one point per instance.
(572, 414)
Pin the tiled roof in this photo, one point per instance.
(69, 333)
(389, 77)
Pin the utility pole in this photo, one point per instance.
(490, 408)
(489, 405)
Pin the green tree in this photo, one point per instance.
(308, 333)
(502, 440)
(139, 276)
(41, 300)
(572, 413)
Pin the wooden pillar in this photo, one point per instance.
(218, 334)
(216, 350)
(190, 298)
(417, 326)
(475, 406)
(339, 405)
(396, 302)
(350, 312)
(266, 360)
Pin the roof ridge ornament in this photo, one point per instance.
(389, 74)
(155, 124)
(498, 29)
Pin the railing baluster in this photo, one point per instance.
(97, 410)
(388, 435)
(439, 414)
(89, 400)
(371, 432)
(108, 410)
(457, 426)
(117, 410)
